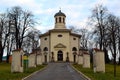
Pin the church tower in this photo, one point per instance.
(60, 20)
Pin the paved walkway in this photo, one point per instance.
(57, 71)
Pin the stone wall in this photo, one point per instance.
(80, 60)
(98, 61)
(17, 61)
(80, 55)
(86, 60)
(39, 59)
(32, 60)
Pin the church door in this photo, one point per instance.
(60, 55)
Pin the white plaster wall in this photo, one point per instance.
(74, 43)
(80, 60)
(86, 61)
(45, 43)
(31, 60)
(39, 59)
(16, 61)
(99, 61)
(65, 40)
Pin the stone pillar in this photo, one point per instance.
(67, 58)
(86, 60)
(80, 55)
(45, 57)
(98, 61)
(39, 59)
(32, 60)
(17, 61)
(80, 59)
(52, 56)
(75, 57)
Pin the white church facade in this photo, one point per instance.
(59, 44)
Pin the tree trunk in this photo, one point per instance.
(114, 65)
(106, 56)
(7, 59)
(114, 47)
(119, 50)
(1, 54)
(1, 49)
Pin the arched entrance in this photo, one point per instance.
(60, 55)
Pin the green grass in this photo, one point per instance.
(108, 75)
(5, 72)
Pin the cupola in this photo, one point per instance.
(60, 20)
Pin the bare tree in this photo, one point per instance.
(22, 21)
(14, 23)
(113, 28)
(74, 29)
(84, 38)
(31, 42)
(4, 33)
(107, 31)
(119, 40)
(99, 15)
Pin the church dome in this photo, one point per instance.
(59, 14)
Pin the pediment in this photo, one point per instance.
(60, 46)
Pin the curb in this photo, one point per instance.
(81, 73)
(34, 73)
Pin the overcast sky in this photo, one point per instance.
(77, 11)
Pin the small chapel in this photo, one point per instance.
(59, 44)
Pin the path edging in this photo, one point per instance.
(80, 73)
(34, 73)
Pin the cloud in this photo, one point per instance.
(77, 11)
(44, 28)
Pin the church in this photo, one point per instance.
(59, 44)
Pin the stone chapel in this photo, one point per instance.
(59, 44)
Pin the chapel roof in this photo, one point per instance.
(59, 14)
(77, 35)
(96, 49)
(60, 30)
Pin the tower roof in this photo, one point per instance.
(59, 14)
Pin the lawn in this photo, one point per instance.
(5, 72)
(108, 75)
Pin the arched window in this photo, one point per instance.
(74, 49)
(59, 19)
(56, 20)
(59, 35)
(45, 38)
(74, 38)
(63, 20)
(45, 49)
